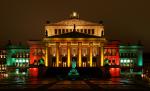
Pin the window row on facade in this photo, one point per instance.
(127, 62)
(21, 55)
(38, 51)
(21, 62)
(128, 55)
(62, 31)
(63, 51)
(2, 56)
(22, 65)
(2, 52)
(110, 52)
(2, 67)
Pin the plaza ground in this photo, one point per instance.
(50, 84)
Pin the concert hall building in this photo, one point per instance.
(82, 41)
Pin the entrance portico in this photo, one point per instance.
(86, 52)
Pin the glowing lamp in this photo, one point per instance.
(74, 55)
(125, 61)
(23, 73)
(121, 61)
(27, 60)
(23, 60)
(16, 60)
(20, 60)
(94, 55)
(84, 54)
(74, 14)
(17, 71)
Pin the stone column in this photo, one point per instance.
(102, 55)
(91, 53)
(46, 54)
(80, 59)
(57, 54)
(68, 53)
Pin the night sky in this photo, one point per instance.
(125, 20)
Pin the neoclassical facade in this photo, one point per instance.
(84, 42)
(71, 39)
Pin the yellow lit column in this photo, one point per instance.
(91, 54)
(46, 56)
(80, 60)
(68, 52)
(57, 54)
(102, 55)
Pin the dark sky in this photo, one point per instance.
(125, 20)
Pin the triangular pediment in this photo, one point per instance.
(76, 22)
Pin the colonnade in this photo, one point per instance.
(79, 56)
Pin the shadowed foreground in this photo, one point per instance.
(48, 84)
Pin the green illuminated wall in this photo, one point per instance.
(140, 58)
(13, 50)
(136, 50)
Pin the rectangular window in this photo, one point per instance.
(85, 30)
(66, 30)
(81, 30)
(89, 31)
(122, 55)
(92, 31)
(135, 55)
(59, 31)
(55, 31)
